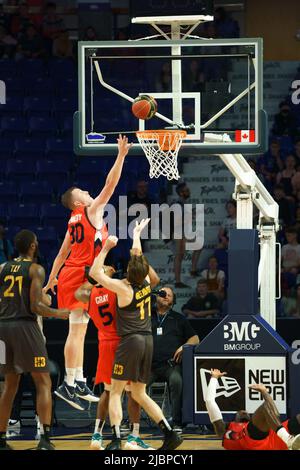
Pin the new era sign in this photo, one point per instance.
(233, 392)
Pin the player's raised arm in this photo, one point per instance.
(113, 177)
(58, 263)
(97, 272)
(37, 304)
(154, 278)
(213, 410)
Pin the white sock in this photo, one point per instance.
(135, 430)
(99, 425)
(79, 374)
(97, 422)
(41, 429)
(284, 435)
(166, 423)
(70, 376)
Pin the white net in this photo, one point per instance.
(161, 149)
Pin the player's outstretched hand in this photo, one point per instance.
(111, 242)
(259, 387)
(50, 286)
(216, 373)
(139, 227)
(123, 145)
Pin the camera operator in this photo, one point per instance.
(171, 330)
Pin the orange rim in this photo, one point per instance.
(167, 138)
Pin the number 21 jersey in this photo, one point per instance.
(86, 240)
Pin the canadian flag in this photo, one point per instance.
(245, 136)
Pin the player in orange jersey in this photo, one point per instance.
(84, 238)
(262, 431)
(103, 310)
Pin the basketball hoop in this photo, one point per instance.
(161, 149)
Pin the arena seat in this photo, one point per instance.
(23, 215)
(33, 191)
(8, 192)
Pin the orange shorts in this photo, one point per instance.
(106, 359)
(69, 279)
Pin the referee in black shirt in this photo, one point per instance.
(171, 330)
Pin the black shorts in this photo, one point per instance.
(22, 348)
(133, 358)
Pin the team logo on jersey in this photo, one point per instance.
(39, 361)
(227, 386)
(118, 369)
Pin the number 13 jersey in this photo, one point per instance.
(86, 240)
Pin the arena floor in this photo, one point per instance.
(73, 440)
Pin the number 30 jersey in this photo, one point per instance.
(102, 310)
(86, 240)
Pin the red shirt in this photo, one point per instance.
(236, 437)
(103, 311)
(86, 240)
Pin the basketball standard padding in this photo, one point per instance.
(144, 107)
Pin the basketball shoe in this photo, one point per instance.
(136, 443)
(171, 441)
(115, 444)
(67, 393)
(84, 393)
(45, 444)
(96, 442)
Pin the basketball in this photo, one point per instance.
(144, 107)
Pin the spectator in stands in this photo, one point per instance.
(203, 304)
(6, 247)
(296, 185)
(285, 176)
(164, 81)
(270, 163)
(4, 18)
(291, 304)
(225, 25)
(291, 251)
(214, 277)
(178, 245)
(90, 34)
(284, 121)
(286, 208)
(194, 80)
(229, 221)
(21, 20)
(31, 44)
(171, 330)
(62, 46)
(7, 44)
(221, 254)
(140, 195)
(297, 151)
(52, 23)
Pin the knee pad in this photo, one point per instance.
(79, 317)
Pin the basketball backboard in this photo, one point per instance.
(211, 87)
